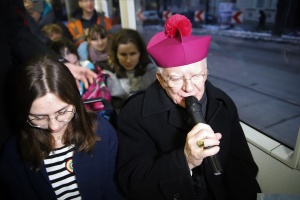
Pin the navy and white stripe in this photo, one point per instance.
(62, 180)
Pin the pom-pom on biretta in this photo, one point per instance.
(178, 22)
(176, 46)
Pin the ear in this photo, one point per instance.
(161, 80)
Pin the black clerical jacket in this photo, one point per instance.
(151, 162)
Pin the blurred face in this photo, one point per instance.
(54, 36)
(72, 58)
(35, 15)
(183, 81)
(128, 55)
(87, 6)
(49, 107)
(99, 43)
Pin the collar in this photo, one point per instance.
(161, 102)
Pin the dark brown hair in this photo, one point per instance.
(64, 46)
(35, 79)
(125, 36)
(97, 30)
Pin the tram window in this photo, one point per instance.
(258, 66)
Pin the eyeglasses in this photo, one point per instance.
(175, 81)
(43, 121)
(85, 1)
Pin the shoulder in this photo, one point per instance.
(150, 74)
(103, 20)
(82, 46)
(151, 69)
(73, 22)
(151, 66)
(11, 144)
(216, 93)
(132, 105)
(105, 129)
(110, 73)
(10, 152)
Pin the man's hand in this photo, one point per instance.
(82, 74)
(195, 154)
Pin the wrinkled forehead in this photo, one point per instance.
(193, 68)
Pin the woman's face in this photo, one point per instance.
(72, 58)
(50, 107)
(128, 55)
(99, 43)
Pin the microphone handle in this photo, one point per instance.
(197, 117)
(215, 163)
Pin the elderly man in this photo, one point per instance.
(162, 154)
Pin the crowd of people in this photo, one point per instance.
(55, 147)
(122, 55)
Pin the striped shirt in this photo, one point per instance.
(59, 166)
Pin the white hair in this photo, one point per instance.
(160, 70)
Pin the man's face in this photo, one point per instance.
(183, 81)
(87, 6)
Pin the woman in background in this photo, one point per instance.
(129, 59)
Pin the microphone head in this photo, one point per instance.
(190, 100)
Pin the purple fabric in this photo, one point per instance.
(178, 51)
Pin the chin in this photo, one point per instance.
(180, 101)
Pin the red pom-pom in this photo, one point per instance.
(180, 22)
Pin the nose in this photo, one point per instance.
(100, 41)
(53, 124)
(188, 85)
(128, 59)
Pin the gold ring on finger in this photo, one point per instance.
(200, 143)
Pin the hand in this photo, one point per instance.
(82, 74)
(195, 154)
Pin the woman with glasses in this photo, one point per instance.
(62, 151)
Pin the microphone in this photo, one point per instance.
(194, 109)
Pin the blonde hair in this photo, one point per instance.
(50, 29)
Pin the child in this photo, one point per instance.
(98, 89)
(95, 48)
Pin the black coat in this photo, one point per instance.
(18, 44)
(152, 134)
(94, 173)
